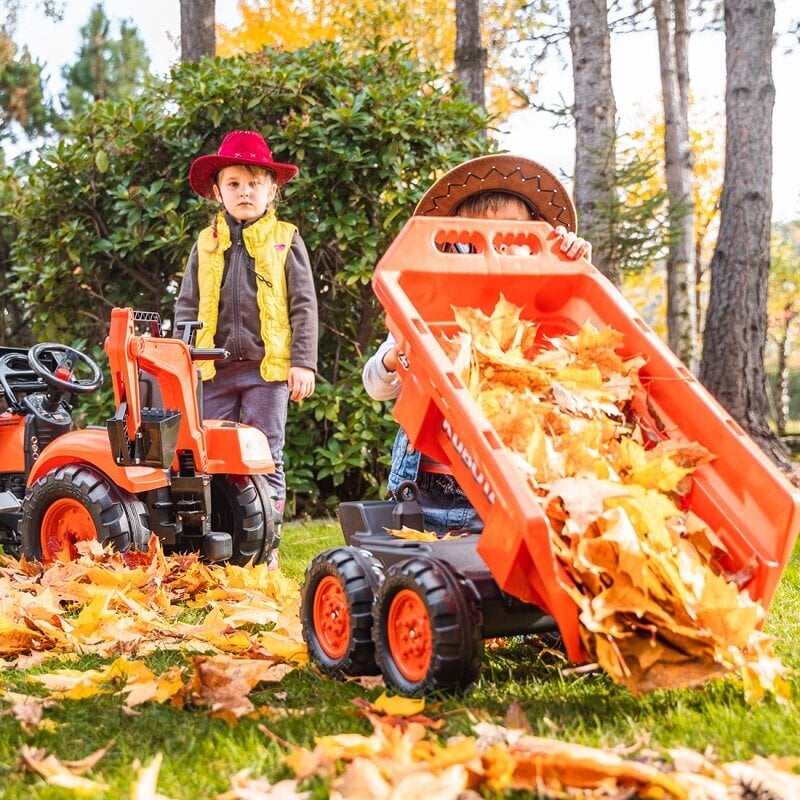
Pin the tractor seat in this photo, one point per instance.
(150, 392)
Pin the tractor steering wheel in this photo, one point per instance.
(67, 361)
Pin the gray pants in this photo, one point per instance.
(238, 392)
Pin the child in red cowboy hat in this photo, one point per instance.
(490, 187)
(249, 281)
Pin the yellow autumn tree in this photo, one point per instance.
(428, 25)
(291, 24)
(286, 24)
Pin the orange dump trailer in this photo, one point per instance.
(741, 495)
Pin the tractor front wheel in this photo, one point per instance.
(426, 628)
(336, 611)
(77, 503)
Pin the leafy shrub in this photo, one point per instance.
(106, 217)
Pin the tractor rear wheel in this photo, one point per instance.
(426, 628)
(336, 611)
(241, 506)
(77, 503)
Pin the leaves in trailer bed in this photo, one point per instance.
(657, 608)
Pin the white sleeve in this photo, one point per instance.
(380, 383)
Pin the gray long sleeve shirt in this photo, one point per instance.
(238, 326)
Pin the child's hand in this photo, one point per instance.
(572, 246)
(389, 359)
(301, 383)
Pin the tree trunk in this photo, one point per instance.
(470, 54)
(198, 37)
(595, 129)
(681, 279)
(735, 334)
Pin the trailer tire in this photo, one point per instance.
(336, 611)
(426, 628)
(241, 506)
(76, 503)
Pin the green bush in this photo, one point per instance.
(106, 217)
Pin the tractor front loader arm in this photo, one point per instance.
(146, 434)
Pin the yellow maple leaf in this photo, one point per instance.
(413, 534)
(597, 346)
(399, 706)
(504, 324)
(661, 473)
(141, 688)
(74, 684)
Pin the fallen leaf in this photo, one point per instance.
(145, 787)
(57, 773)
(411, 533)
(398, 706)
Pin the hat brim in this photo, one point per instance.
(205, 168)
(527, 179)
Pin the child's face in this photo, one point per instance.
(246, 192)
(510, 208)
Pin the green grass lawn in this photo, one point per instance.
(201, 752)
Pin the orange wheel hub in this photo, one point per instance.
(409, 633)
(65, 522)
(331, 617)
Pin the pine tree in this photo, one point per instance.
(107, 67)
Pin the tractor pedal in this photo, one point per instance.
(217, 546)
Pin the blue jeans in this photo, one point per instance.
(238, 393)
(443, 510)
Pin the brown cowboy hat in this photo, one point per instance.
(536, 186)
(238, 147)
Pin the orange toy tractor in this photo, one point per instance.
(156, 467)
(419, 611)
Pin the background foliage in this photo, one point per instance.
(106, 217)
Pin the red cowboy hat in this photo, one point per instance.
(535, 185)
(238, 147)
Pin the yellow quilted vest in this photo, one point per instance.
(268, 241)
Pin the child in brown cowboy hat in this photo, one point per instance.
(249, 281)
(491, 187)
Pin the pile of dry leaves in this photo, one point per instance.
(401, 760)
(125, 606)
(242, 625)
(656, 608)
(403, 757)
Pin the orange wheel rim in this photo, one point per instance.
(331, 617)
(65, 522)
(409, 632)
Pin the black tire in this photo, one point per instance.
(241, 506)
(357, 575)
(118, 517)
(440, 647)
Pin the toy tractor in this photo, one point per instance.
(419, 611)
(157, 467)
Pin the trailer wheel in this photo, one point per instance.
(336, 611)
(426, 628)
(77, 503)
(241, 506)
